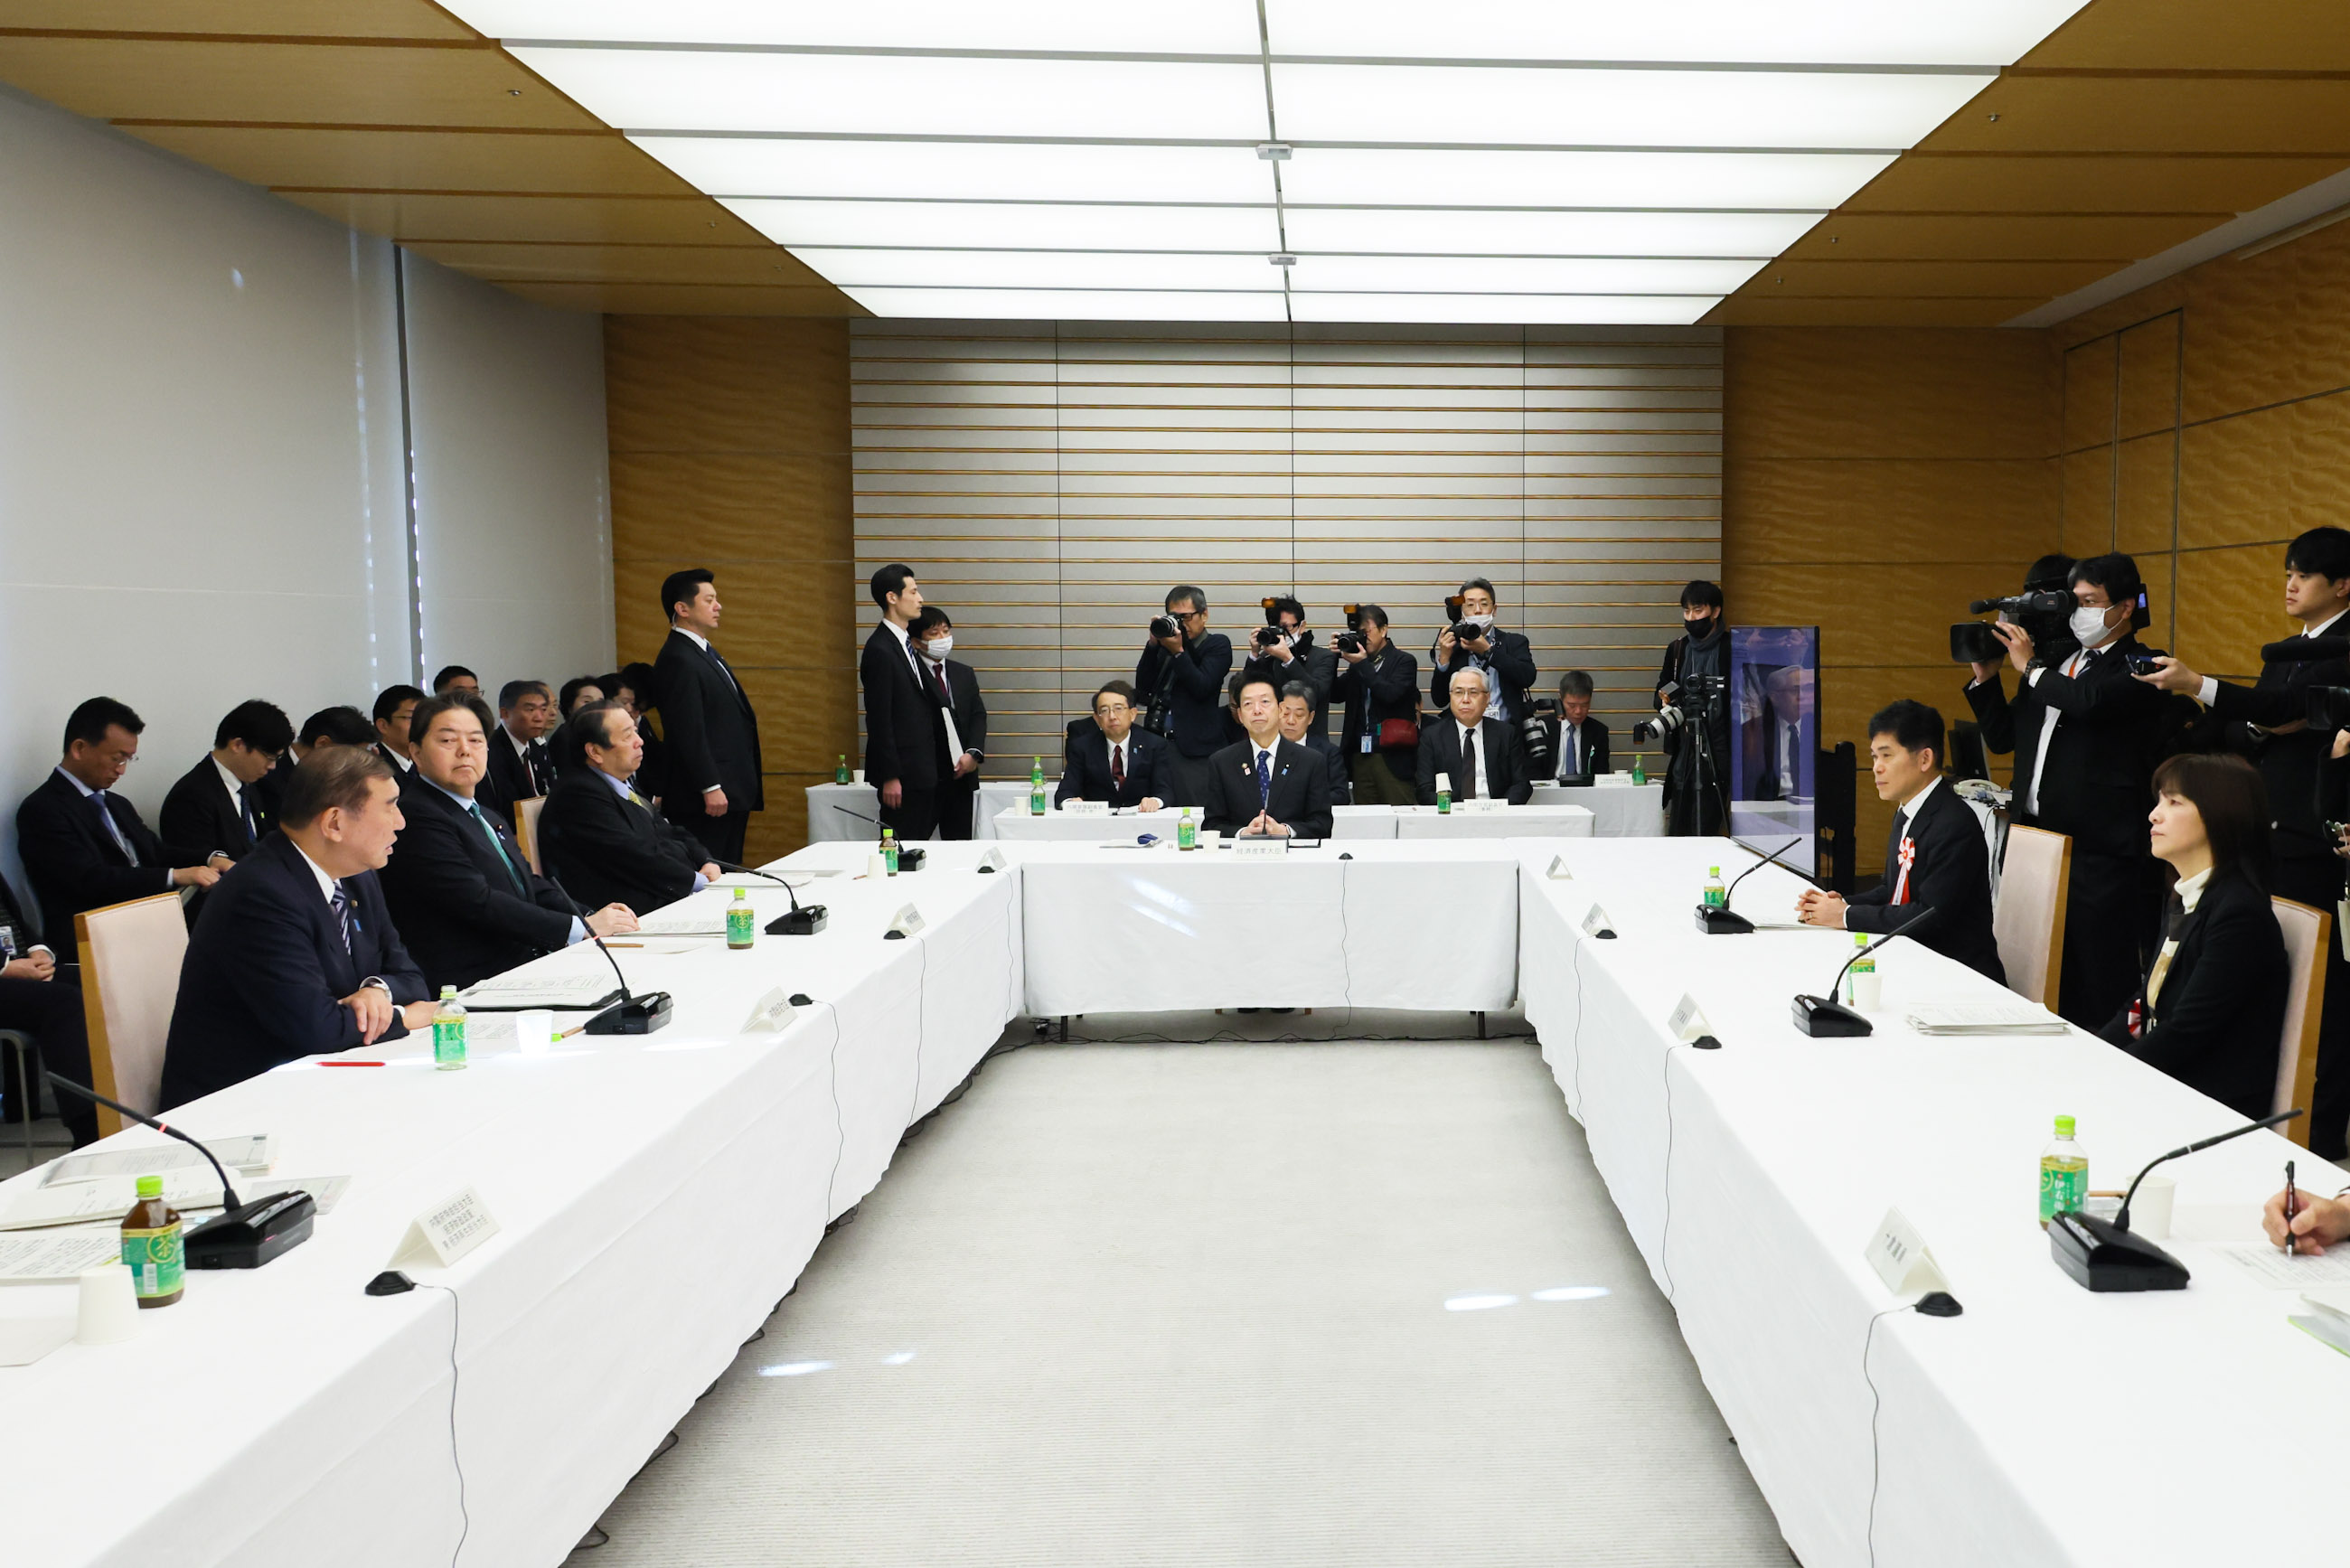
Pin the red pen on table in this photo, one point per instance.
(350, 1063)
(2290, 1208)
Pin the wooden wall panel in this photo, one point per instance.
(2088, 503)
(2089, 395)
(731, 449)
(2266, 474)
(2231, 602)
(2147, 393)
(2145, 507)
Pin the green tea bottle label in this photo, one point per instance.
(741, 923)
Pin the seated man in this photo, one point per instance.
(341, 725)
(1578, 742)
(456, 681)
(1265, 785)
(394, 707)
(464, 896)
(599, 838)
(1296, 716)
(1122, 764)
(33, 1002)
(219, 800)
(520, 768)
(1935, 859)
(1481, 758)
(295, 955)
(84, 846)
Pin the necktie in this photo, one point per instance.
(1264, 781)
(244, 809)
(341, 904)
(504, 859)
(1467, 764)
(724, 669)
(113, 829)
(1117, 764)
(534, 756)
(1898, 855)
(939, 678)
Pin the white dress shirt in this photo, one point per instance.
(2075, 663)
(235, 787)
(1570, 750)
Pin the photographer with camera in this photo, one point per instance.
(1472, 641)
(1480, 757)
(1693, 716)
(2269, 723)
(1379, 682)
(1283, 650)
(1181, 673)
(2087, 738)
(1578, 742)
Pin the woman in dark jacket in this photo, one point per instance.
(2212, 1006)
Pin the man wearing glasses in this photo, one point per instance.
(1181, 672)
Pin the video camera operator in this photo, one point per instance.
(2269, 722)
(2087, 738)
(1472, 641)
(1181, 675)
(1283, 651)
(1693, 683)
(1379, 682)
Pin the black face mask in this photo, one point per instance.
(1700, 627)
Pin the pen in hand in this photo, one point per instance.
(2291, 1207)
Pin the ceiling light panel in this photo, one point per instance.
(1036, 225)
(1828, 32)
(1459, 105)
(1507, 309)
(1041, 269)
(906, 95)
(1131, 26)
(1351, 177)
(1439, 232)
(1515, 274)
(1010, 171)
(1067, 304)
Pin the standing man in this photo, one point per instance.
(903, 732)
(1181, 679)
(1265, 785)
(1473, 642)
(1578, 742)
(962, 721)
(712, 751)
(1696, 797)
(1283, 651)
(219, 800)
(394, 706)
(1481, 757)
(1380, 684)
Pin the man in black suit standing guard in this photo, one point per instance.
(1936, 859)
(962, 721)
(1266, 786)
(1481, 758)
(711, 734)
(902, 716)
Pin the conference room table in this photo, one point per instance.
(1621, 809)
(1351, 823)
(837, 811)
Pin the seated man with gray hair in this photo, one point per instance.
(1479, 758)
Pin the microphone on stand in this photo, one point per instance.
(1720, 922)
(242, 1235)
(1823, 1018)
(632, 1014)
(910, 856)
(802, 922)
(2105, 1255)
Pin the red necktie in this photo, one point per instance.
(938, 674)
(1117, 766)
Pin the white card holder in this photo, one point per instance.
(907, 923)
(1482, 806)
(1259, 846)
(1559, 870)
(1901, 1258)
(445, 1232)
(1597, 924)
(1086, 808)
(771, 1013)
(1688, 1021)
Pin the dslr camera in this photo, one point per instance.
(2329, 707)
(1351, 639)
(1164, 625)
(1685, 700)
(1533, 734)
(1461, 629)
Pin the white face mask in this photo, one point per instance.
(2089, 626)
(938, 646)
(1482, 622)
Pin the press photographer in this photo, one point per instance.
(1693, 717)
(1283, 651)
(1472, 641)
(1380, 684)
(1182, 670)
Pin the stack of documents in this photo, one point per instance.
(515, 993)
(249, 1154)
(2007, 1016)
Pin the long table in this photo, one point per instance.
(1557, 818)
(846, 812)
(1624, 810)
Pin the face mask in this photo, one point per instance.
(1697, 625)
(2089, 626)
(1482, 622)
(940, 647)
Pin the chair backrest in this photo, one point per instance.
(2306, 932)
(525, 826)
(130, 955)
(2029, 921)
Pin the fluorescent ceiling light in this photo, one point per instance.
(1855, 32)
(1461, 105)
(973, 171)
(1350, 177)
(1066, 305)
(1131, 26)
(1516, 275)
(1042, 269)
(1436, 232)
(907, 95)
(1041, 225)
(1506, 309)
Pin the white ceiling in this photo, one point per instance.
(1480, 161)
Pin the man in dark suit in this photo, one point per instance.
(460, 889)
(599, 838)
(33, 1002)
(394, 707)
(1117, 764)
(711, 746)
(83, 845)
(1380, 684)
(219, 800)
(1578, 742)
(1481, 758)
(1509, 656)
(1697, 785)
(2086, 738)
(1296, 716)
(962, 721)
(1266, 786)
(1936, 859)
(455, 679)
(520, 768)
(1180, 679)
(295, 955)
(2268, 723)
(902, 727)
(1283, 651)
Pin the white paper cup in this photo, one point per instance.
(109, 1306)
(2150, 1210)
(876, 867)
(1211, 836)
(535, 1032)
(857, 775)
(1867, 991)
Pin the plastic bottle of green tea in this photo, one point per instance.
(2063, 1174)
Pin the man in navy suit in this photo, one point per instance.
(1266, 786)
(295, 955)
(1578, 742)
(1122, 764)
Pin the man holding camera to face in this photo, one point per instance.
(1181, 676)
(1380, 684)
(1283, 651)
(1473, 642)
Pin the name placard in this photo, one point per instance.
(1688, 1022)
(773, 1013)
(446, 1231)
(907, 923)
(1086, 808)
(1478, 806)
(1595, 924)
(1260, 846)
(1901, 1258)
(1559, 871)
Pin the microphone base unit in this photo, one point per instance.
(2099, 1255)
(638, 1015)
(1823, 1020)
(911, 856)
(804, 921)
(251, 1234)
(1716, 921)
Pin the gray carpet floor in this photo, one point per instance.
(1225, 1304)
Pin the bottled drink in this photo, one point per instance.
(840, 769)
(1640, 774)
(448, 1031)
(741, 923)
(1444, 794)
(890, 850)
(1187, 832)
(1860, 980)
(1036, 787)
(150, 1245)
(2063, 1174)
(1716, 895)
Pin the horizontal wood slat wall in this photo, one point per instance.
(1049, 484)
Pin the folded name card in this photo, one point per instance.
(446, 1231)
(1478, 806)
(1263, 847)
(1086, 808)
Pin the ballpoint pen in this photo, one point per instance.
(2291, 1206)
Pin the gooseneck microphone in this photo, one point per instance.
(2105, 1255)
(632, 1014)
(1824, 1018)
(799, 923)
(1716, 921)
(2121, 1217)
(242, 1235)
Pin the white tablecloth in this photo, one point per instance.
(1540, 819)
(2046, 1425)
(829, 806)
(1618, 811)
(1017, 824)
